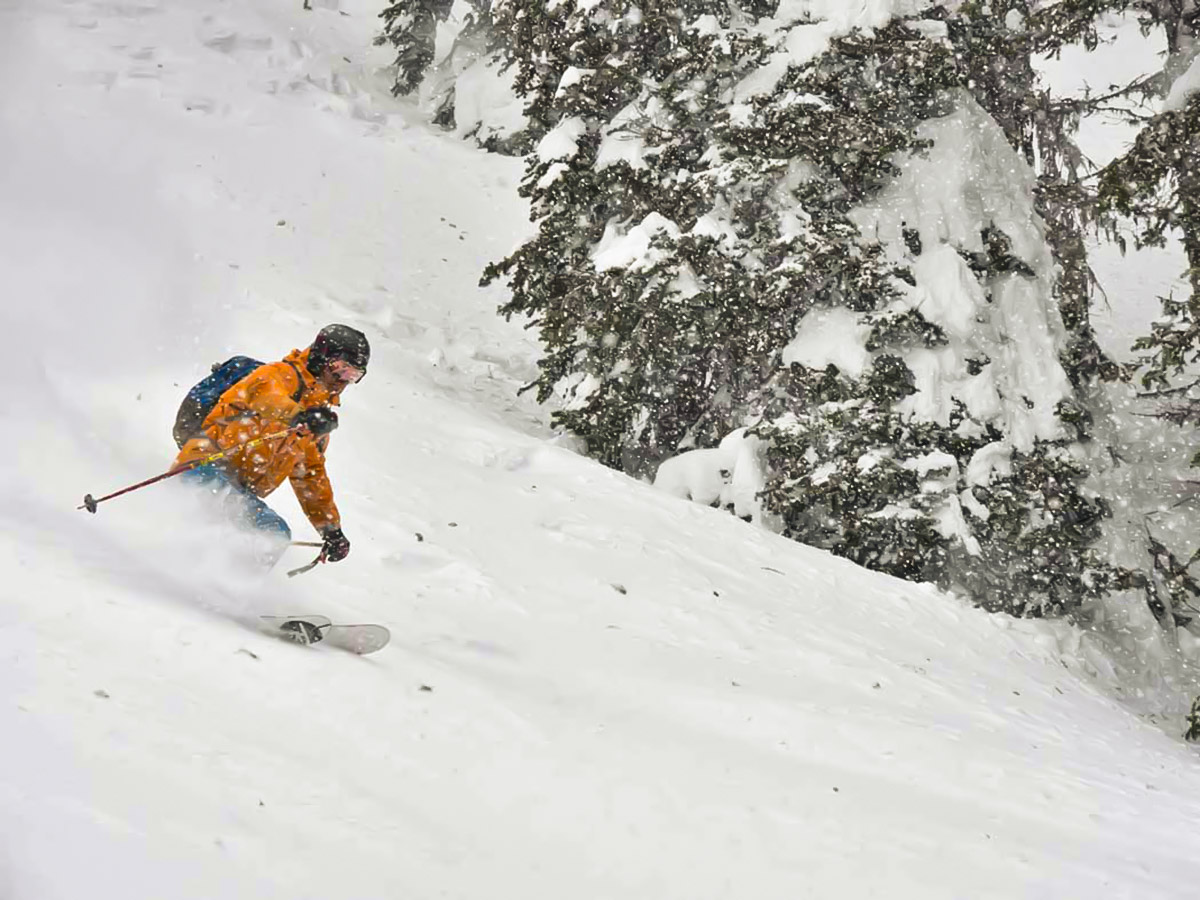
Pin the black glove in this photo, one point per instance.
(320, 420)
(336, 546)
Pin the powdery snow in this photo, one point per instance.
(594, 690)
(730, 476)
(562, 141)
(485, 102)
(631, 247)
(572, 76)
(832, 336)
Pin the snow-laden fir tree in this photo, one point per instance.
(999, 43)
(794, 218)
(1156, 186)
(945, 453)
(410, 26)
(451, 58)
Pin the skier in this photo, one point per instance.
(294, 397)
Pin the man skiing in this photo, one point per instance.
(293, 399)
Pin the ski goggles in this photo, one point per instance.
(346, 372)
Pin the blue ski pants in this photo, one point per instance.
(244, 507)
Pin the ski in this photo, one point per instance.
(308, 629)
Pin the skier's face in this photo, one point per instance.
(339, 373)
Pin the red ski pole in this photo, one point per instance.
(90, 503)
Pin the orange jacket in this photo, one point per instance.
(261, 404)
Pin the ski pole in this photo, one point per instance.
(90, 503)
(312, 565)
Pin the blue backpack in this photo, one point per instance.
(204, 396)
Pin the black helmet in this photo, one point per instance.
(339, 342)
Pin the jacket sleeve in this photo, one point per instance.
(313, 489)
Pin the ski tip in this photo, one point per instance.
(359, 639)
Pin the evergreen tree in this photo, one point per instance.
(1180, 24)
(411, 27)
(997, 42)
(710, 196)
(477, 54)
(1155, 187)
(1156, 184)
(651, 347)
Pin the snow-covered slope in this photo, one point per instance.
(594, 690)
